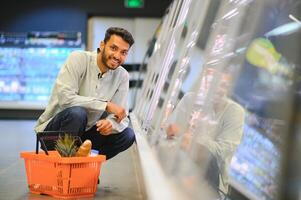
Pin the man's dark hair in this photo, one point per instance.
(124, 34)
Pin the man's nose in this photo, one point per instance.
(117, 55)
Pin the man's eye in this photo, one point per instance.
(125, 53)
(114, 48)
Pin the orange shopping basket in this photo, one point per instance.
(62, 177)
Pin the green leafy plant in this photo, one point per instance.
(66, 146)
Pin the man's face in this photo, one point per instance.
(221, 89)
(114, 52)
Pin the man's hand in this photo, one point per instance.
(118, 111)
(104, 127)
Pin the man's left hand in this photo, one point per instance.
(104, 127)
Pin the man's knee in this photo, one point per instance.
(129, 135)
(120, 142)
(77, 113)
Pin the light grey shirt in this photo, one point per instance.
(80, 83)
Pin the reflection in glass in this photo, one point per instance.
(225, 116)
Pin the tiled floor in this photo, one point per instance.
(120, 176)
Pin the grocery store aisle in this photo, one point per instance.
(120, 177)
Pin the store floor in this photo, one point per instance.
(120, 177)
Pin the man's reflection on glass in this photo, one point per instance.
(215, 126)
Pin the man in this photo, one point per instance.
(215, 126)
(89, 98)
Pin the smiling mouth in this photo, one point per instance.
(115, 62)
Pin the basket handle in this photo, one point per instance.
(54, 135)
(42, 145)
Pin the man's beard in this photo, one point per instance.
(104, 60)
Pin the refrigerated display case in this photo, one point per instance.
(230, 101)
(29, 64)
(171, 35)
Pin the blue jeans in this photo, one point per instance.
(74, 120)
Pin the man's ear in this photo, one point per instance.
(102, 45)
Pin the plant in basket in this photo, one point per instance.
(66, 146)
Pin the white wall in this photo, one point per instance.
(142, 30)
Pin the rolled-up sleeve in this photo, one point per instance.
(121, 98)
